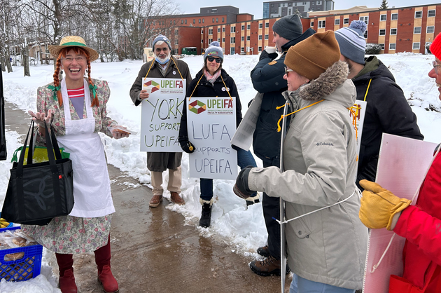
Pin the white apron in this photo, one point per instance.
(92, 193)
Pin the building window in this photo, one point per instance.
(312, 23)
(203, 20)
(232, 29)
(260, 37)
(318, 2)
(266, 37)
(260, 25)
(194, 21)
(176, 32)
(430, 30)
(224, 30)
(219, 30)
(248, 27)
(243, 27)
(217, 19)
(267, 24)
(232, 40)
(321, 24)
(248, 38)
(366, 34)
(182, 21)
(431, 13)
(223, 19)
(364, 19)
(394, 16)
(392, 46)
(259, 49)
(393, 31)
(345, 20)
(210, 41)
(382, 46)
(242, 49)
(213, 20)
(242, 38)
(416, 46)
(337, 22)
(383, 17)
(232, 50)
(199, 20)
(418, 14)
(382, 32)
(224, 40)
(202, 31)
(210, 32)
(219, 39)
(417, 30)
(185, 21)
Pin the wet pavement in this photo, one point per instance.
(152, 249)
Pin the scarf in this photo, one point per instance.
(211, 78)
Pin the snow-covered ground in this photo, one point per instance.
(243, 229)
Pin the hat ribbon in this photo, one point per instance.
(73, 44)
(54, 91)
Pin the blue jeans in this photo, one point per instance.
(245, 158)
(301, 285)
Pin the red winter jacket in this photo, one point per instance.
(420, 225)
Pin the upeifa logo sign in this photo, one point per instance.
(197, 107)
(155, 86)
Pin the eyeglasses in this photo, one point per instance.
(77, 59)
(287, 70)
(435, 66)
(211, 58)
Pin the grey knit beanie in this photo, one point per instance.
(289, 27)
(161, 38)
(352, 42)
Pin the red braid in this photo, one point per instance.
(56, 80)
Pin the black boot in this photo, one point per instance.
(206, 213)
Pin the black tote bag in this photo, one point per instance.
(38, 192)
(2, 121)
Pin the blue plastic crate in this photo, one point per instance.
(23, 269)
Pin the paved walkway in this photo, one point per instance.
(152, 249)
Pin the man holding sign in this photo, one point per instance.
(387, 110)
(164, 66)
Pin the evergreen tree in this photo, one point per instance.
(384, 5)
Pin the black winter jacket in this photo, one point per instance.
(267, 78)
(387, 112)
(206, 89)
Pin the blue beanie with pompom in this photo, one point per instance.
(352, 42)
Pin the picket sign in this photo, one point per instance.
(211, 123)
(402, 166)
(161, 114)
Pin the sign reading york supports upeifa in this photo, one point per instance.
(161, 115)
(211, 123)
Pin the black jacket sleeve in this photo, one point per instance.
(267, 76)
(182, 134)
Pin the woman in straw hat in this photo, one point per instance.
(326, 242)
(76, 109)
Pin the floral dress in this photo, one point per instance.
(71, 234)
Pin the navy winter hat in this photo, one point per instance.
(161, 38)
(289, 27)
(352, 42)
(214, 50)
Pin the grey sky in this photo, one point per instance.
(255, 7)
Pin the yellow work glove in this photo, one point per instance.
(378, 206)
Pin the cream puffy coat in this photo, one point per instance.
(319, 153)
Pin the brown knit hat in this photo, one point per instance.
(312, 56)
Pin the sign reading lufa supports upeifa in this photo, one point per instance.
(211, 123)
(161, 115)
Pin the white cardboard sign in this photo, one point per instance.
(211, 123)
(161, 115)
(402, 166)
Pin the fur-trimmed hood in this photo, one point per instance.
(333, 80)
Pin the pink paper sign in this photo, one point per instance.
(403, 164)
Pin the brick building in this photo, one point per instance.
(401, 29)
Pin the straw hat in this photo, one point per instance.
(71, 41)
